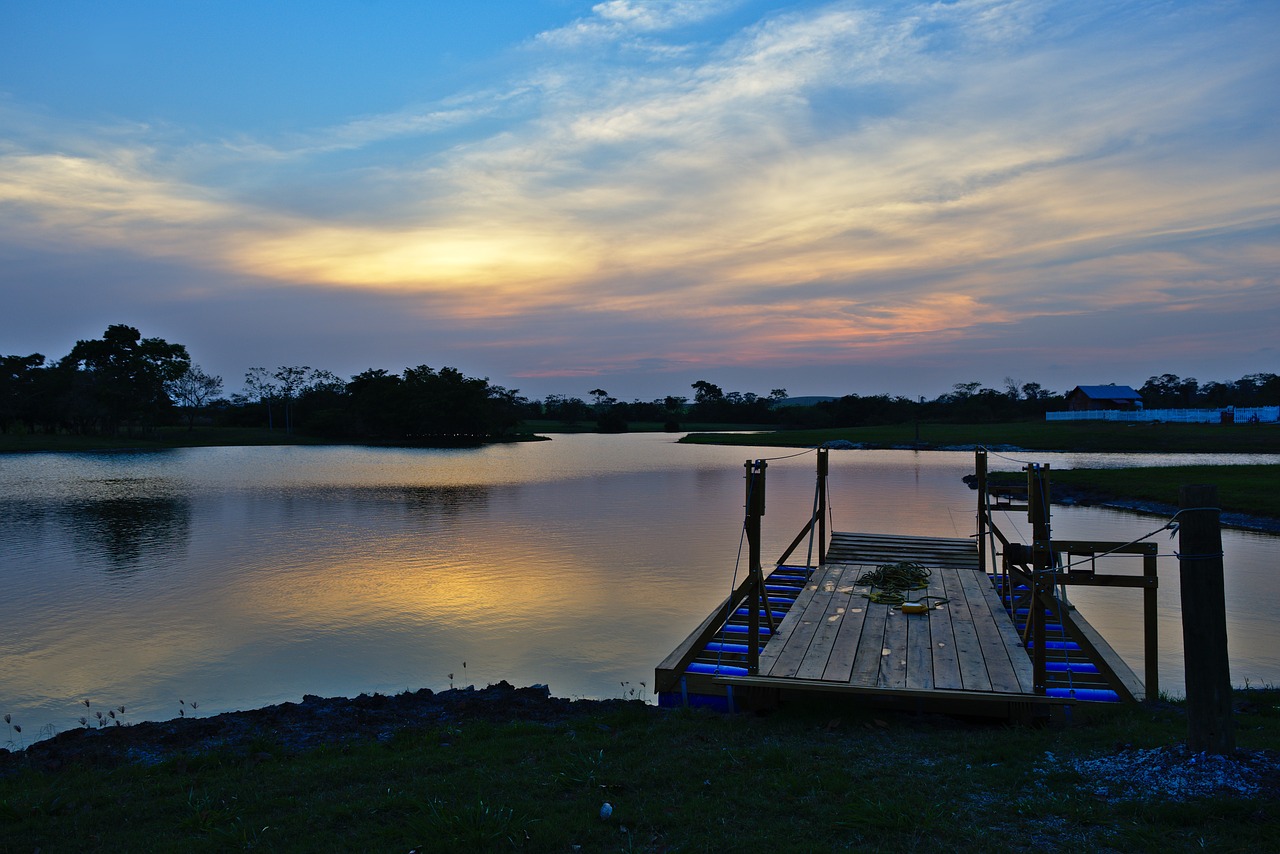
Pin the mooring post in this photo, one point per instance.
(759, 596)
(1210, 727)
(823, 468)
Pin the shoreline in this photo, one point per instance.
(299, 727)
(1074, 496)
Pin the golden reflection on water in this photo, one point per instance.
(237, 577)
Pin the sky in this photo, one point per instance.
(826, 197)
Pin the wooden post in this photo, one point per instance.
(758, 597)
(1041, 562)
(1150, 626)
(823, 468)
(1204, 622)
(980, 472)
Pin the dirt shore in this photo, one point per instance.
(297, 727)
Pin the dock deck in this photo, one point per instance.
(834, 634)
(1001, 644)
(963, 652)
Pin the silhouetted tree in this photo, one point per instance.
(19, 384)
(120, 378)
(193, 389)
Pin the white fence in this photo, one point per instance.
(1255, 415)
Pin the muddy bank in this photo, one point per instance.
(298, 727)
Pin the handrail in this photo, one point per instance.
(1038, 566)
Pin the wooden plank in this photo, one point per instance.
(919, 649)
(872, 690)
(772, 651)
(971, 663)
(667, 674)
(999, 665)
(823, 643)
(946, 667)
(893, 667)
(1023, 669)
(875, 549)
(866, 662)
(1121, 676)
(849, 637)
(799, 633)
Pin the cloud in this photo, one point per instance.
(826, 179)
(624, 20)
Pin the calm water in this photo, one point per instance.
(236, 577)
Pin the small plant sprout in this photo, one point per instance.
(8, 719)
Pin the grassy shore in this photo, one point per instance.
(816, 779)
(165, 438)
(1082, 436)
(1246, 489)
(1250, 490)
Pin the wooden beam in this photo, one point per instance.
(1116, 670)
(871, 690)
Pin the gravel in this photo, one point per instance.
(1172, 773)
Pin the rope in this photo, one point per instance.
(1171, 526)
(894, 581)
(812, 450)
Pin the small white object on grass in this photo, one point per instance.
(606, 810)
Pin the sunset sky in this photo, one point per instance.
(830, 197)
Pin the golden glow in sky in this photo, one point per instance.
(650, 192)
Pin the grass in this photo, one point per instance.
(798, 780)
(166, 437)
(552, 426)
(1247, 489)
(1033, 435)
(1241, 489)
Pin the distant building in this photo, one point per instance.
(1084, 398)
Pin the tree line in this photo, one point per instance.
(124, 382)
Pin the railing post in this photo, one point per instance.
(823, 468)
(1150, 626)
(759, 597)
(980, 472)
(1041, 562)
(1204, 622)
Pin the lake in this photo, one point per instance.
(231, 578)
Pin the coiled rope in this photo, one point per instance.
(891, 582)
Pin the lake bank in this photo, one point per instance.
(1247, 495)
(1042, 436)
(492, 768)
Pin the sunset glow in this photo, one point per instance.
(649, 193)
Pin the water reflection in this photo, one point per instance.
(125, 530)
(580, 563)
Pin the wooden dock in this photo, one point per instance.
(816, 632)
(960, 654)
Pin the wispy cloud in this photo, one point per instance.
(836, 176)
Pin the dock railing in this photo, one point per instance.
(752, 589)
(1034, 577)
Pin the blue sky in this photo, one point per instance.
(828, 197)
